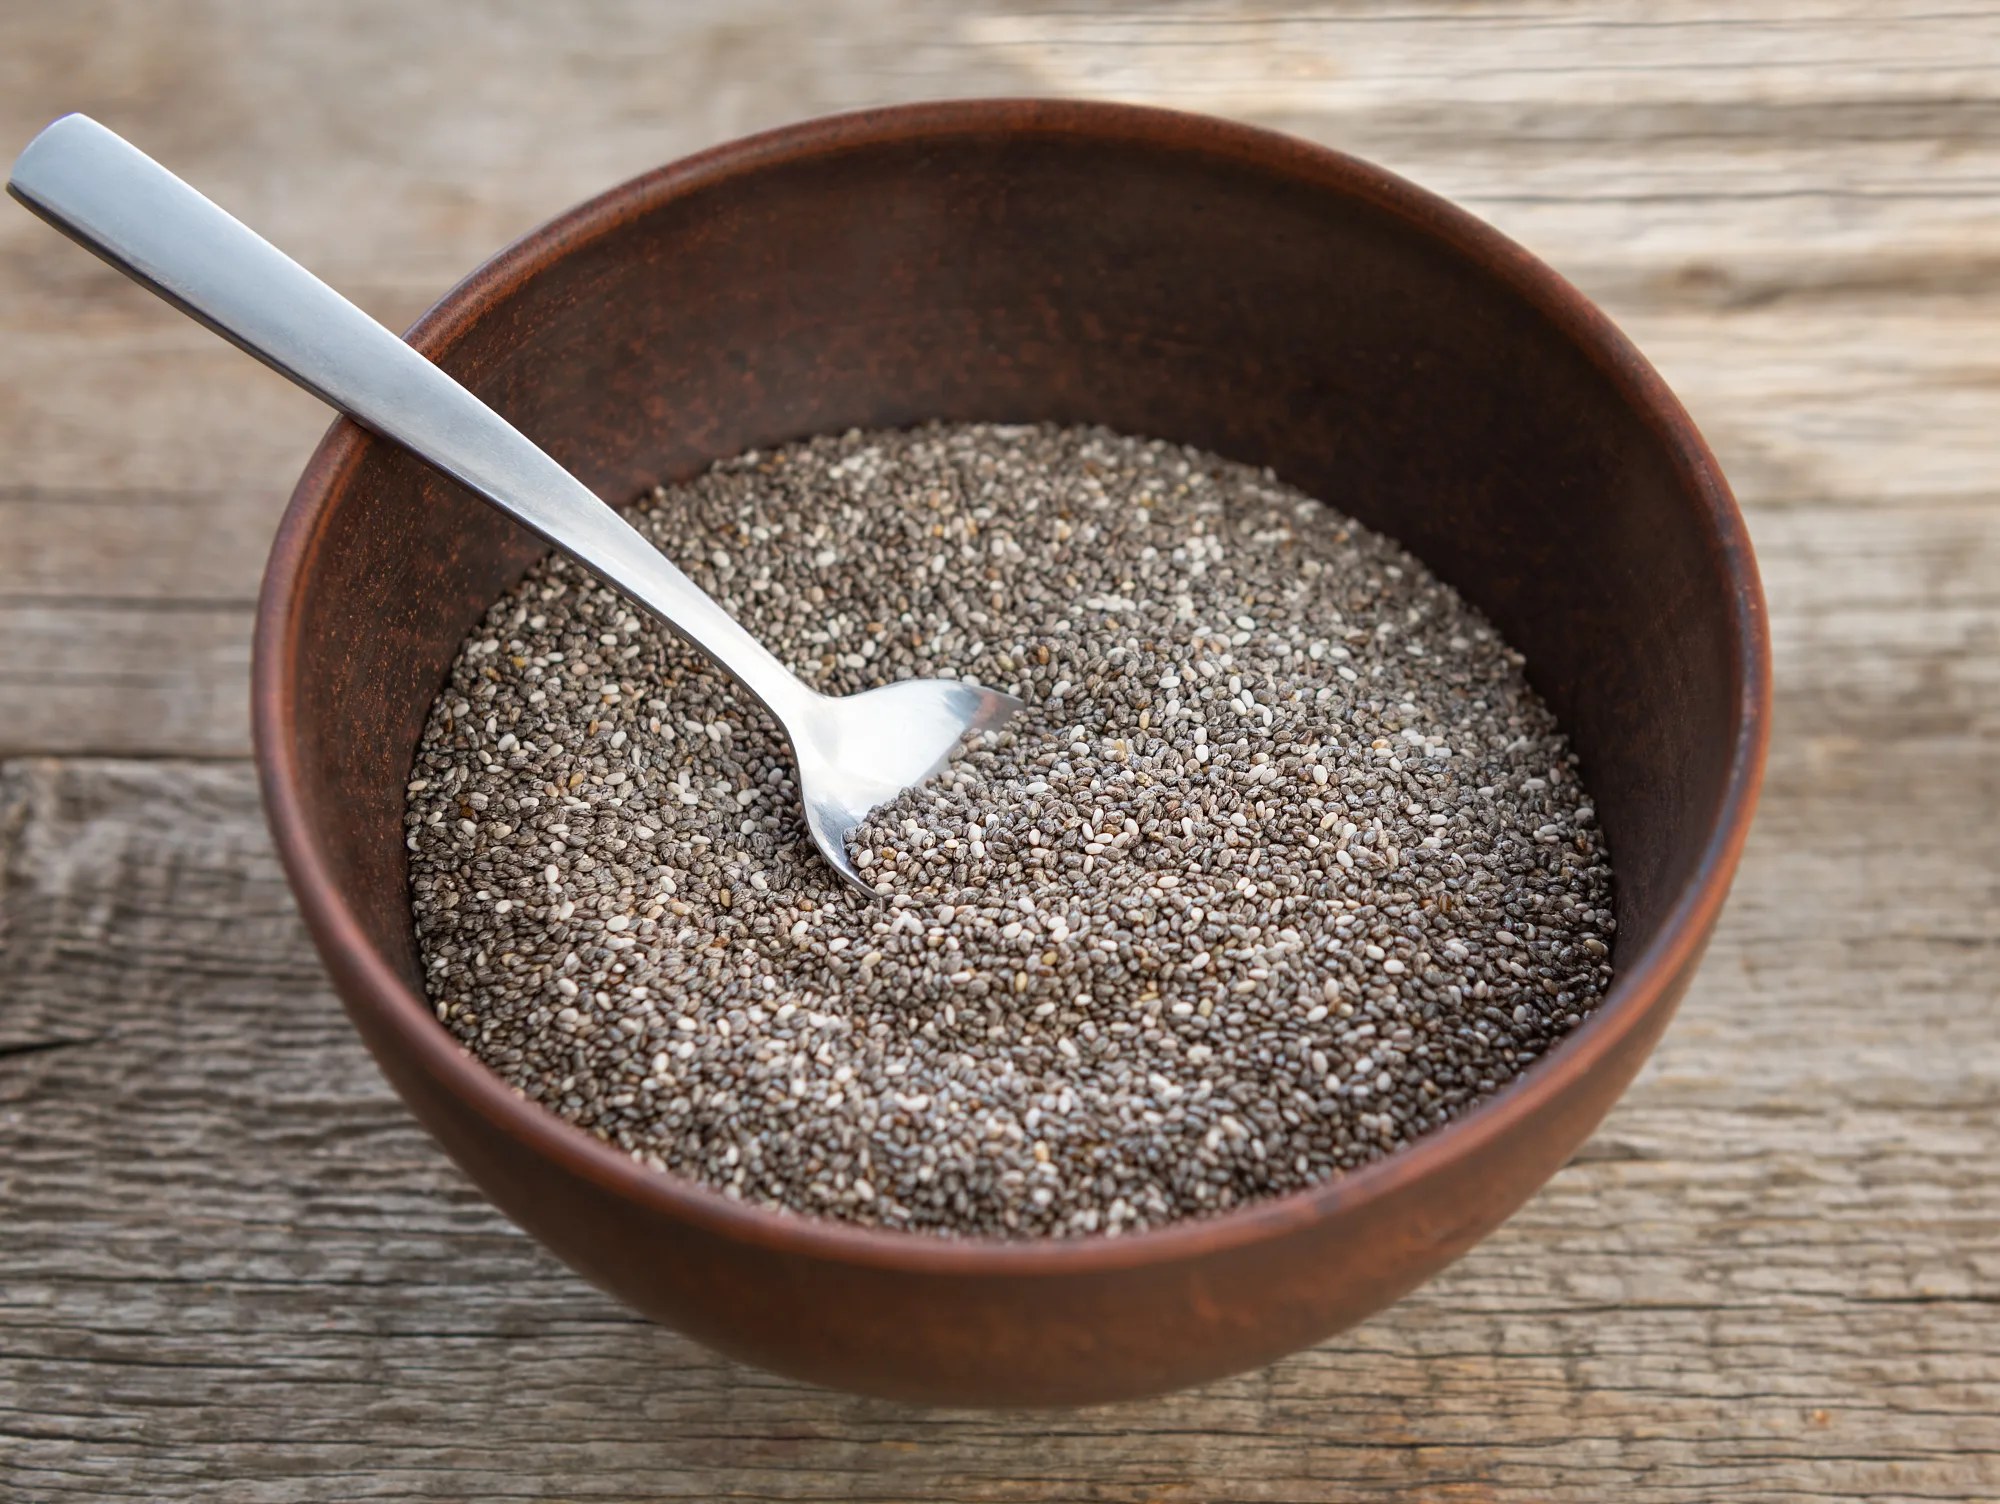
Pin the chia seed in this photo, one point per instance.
(1283, 865)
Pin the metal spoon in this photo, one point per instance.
(854, 753)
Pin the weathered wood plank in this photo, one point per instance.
(132, 546)
(1631, 53)
(165, 678)
(1884, 624)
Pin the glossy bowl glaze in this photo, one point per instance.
(1165, 275)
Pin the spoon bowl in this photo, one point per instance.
(860, 751)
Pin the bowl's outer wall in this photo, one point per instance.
(1161, 275)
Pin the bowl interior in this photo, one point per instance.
(1163, 276)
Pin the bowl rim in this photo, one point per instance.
(1636, 988)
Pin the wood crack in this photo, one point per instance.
(13, 1049)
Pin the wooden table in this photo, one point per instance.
(231, 1268)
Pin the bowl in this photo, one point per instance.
(1161, 274)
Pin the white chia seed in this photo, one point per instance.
(1283, 865)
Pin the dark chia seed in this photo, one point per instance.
(1283, 865)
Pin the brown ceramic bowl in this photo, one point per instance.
(1165, 275)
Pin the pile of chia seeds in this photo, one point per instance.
(1283, 865)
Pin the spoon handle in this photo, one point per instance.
(112, 198)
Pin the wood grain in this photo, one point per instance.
(234, 1269)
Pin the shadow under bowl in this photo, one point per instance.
(1016, 261)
